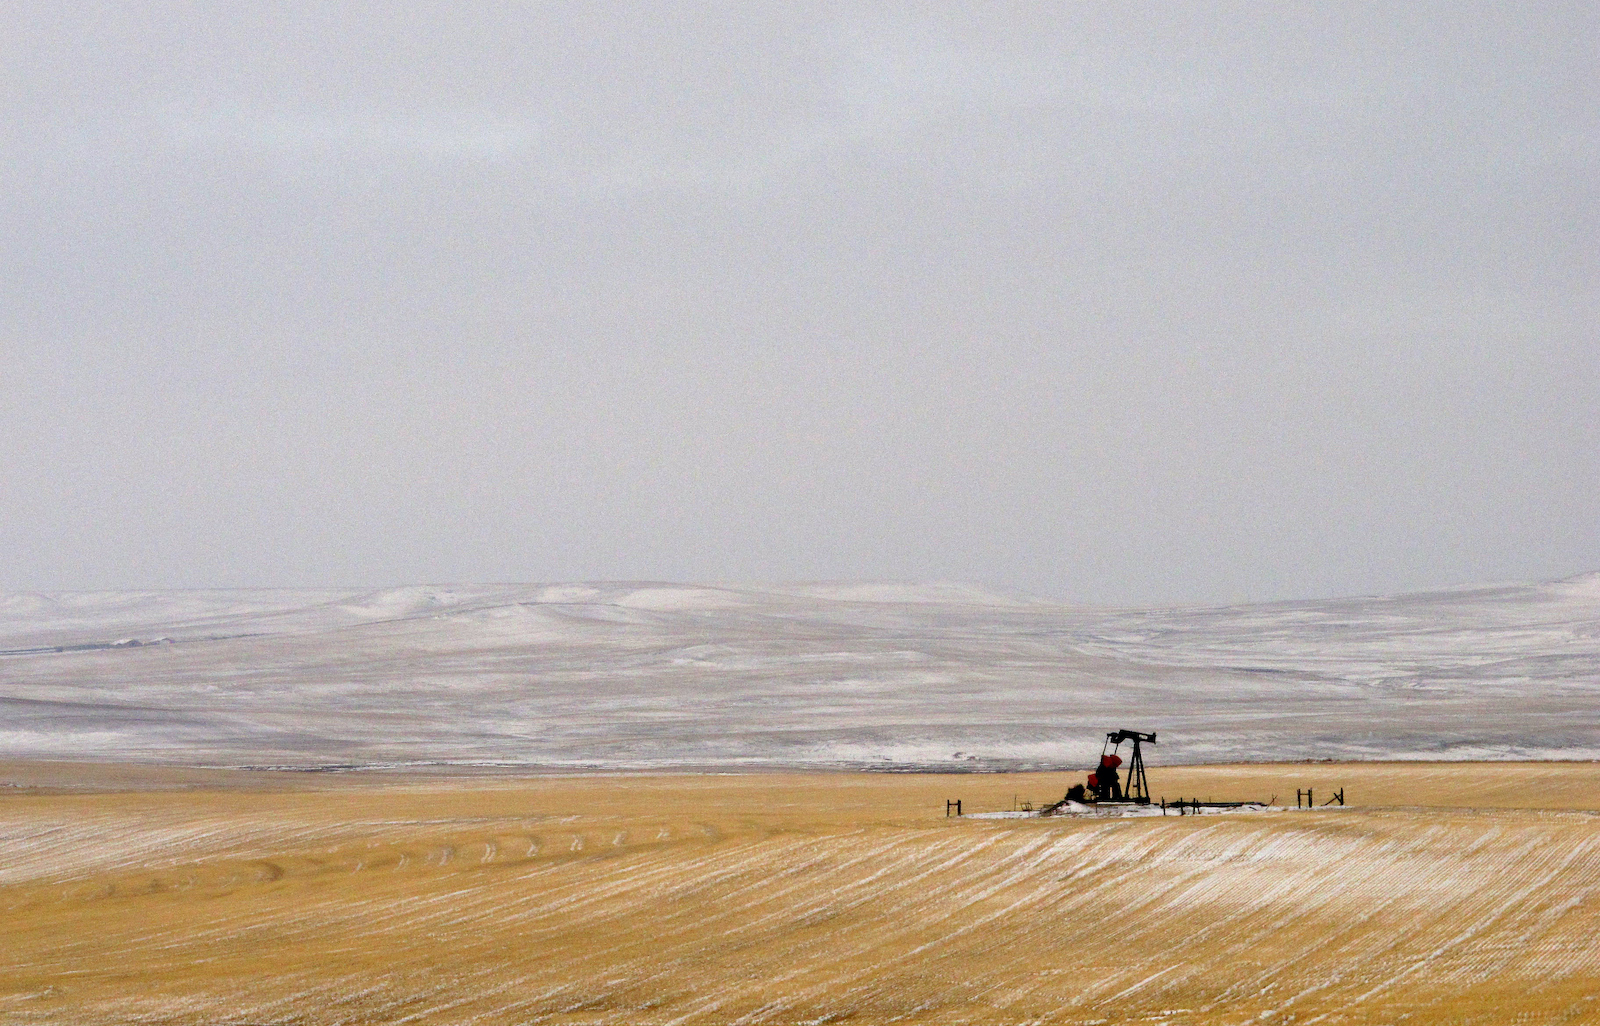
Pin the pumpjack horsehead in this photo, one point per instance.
(1105, 783)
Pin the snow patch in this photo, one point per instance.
(679, 599)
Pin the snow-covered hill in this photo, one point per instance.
(889, 675)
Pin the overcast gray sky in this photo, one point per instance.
(1112, 303)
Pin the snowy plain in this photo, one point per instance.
(649, 675)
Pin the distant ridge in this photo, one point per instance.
(849, 674)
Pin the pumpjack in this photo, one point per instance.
(1104, 784)
(1137, 790)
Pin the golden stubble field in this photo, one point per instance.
(1449, 893)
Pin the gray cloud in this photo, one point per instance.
(1108, 304)
(330, 139)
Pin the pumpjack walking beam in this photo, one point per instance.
(1137, 789)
